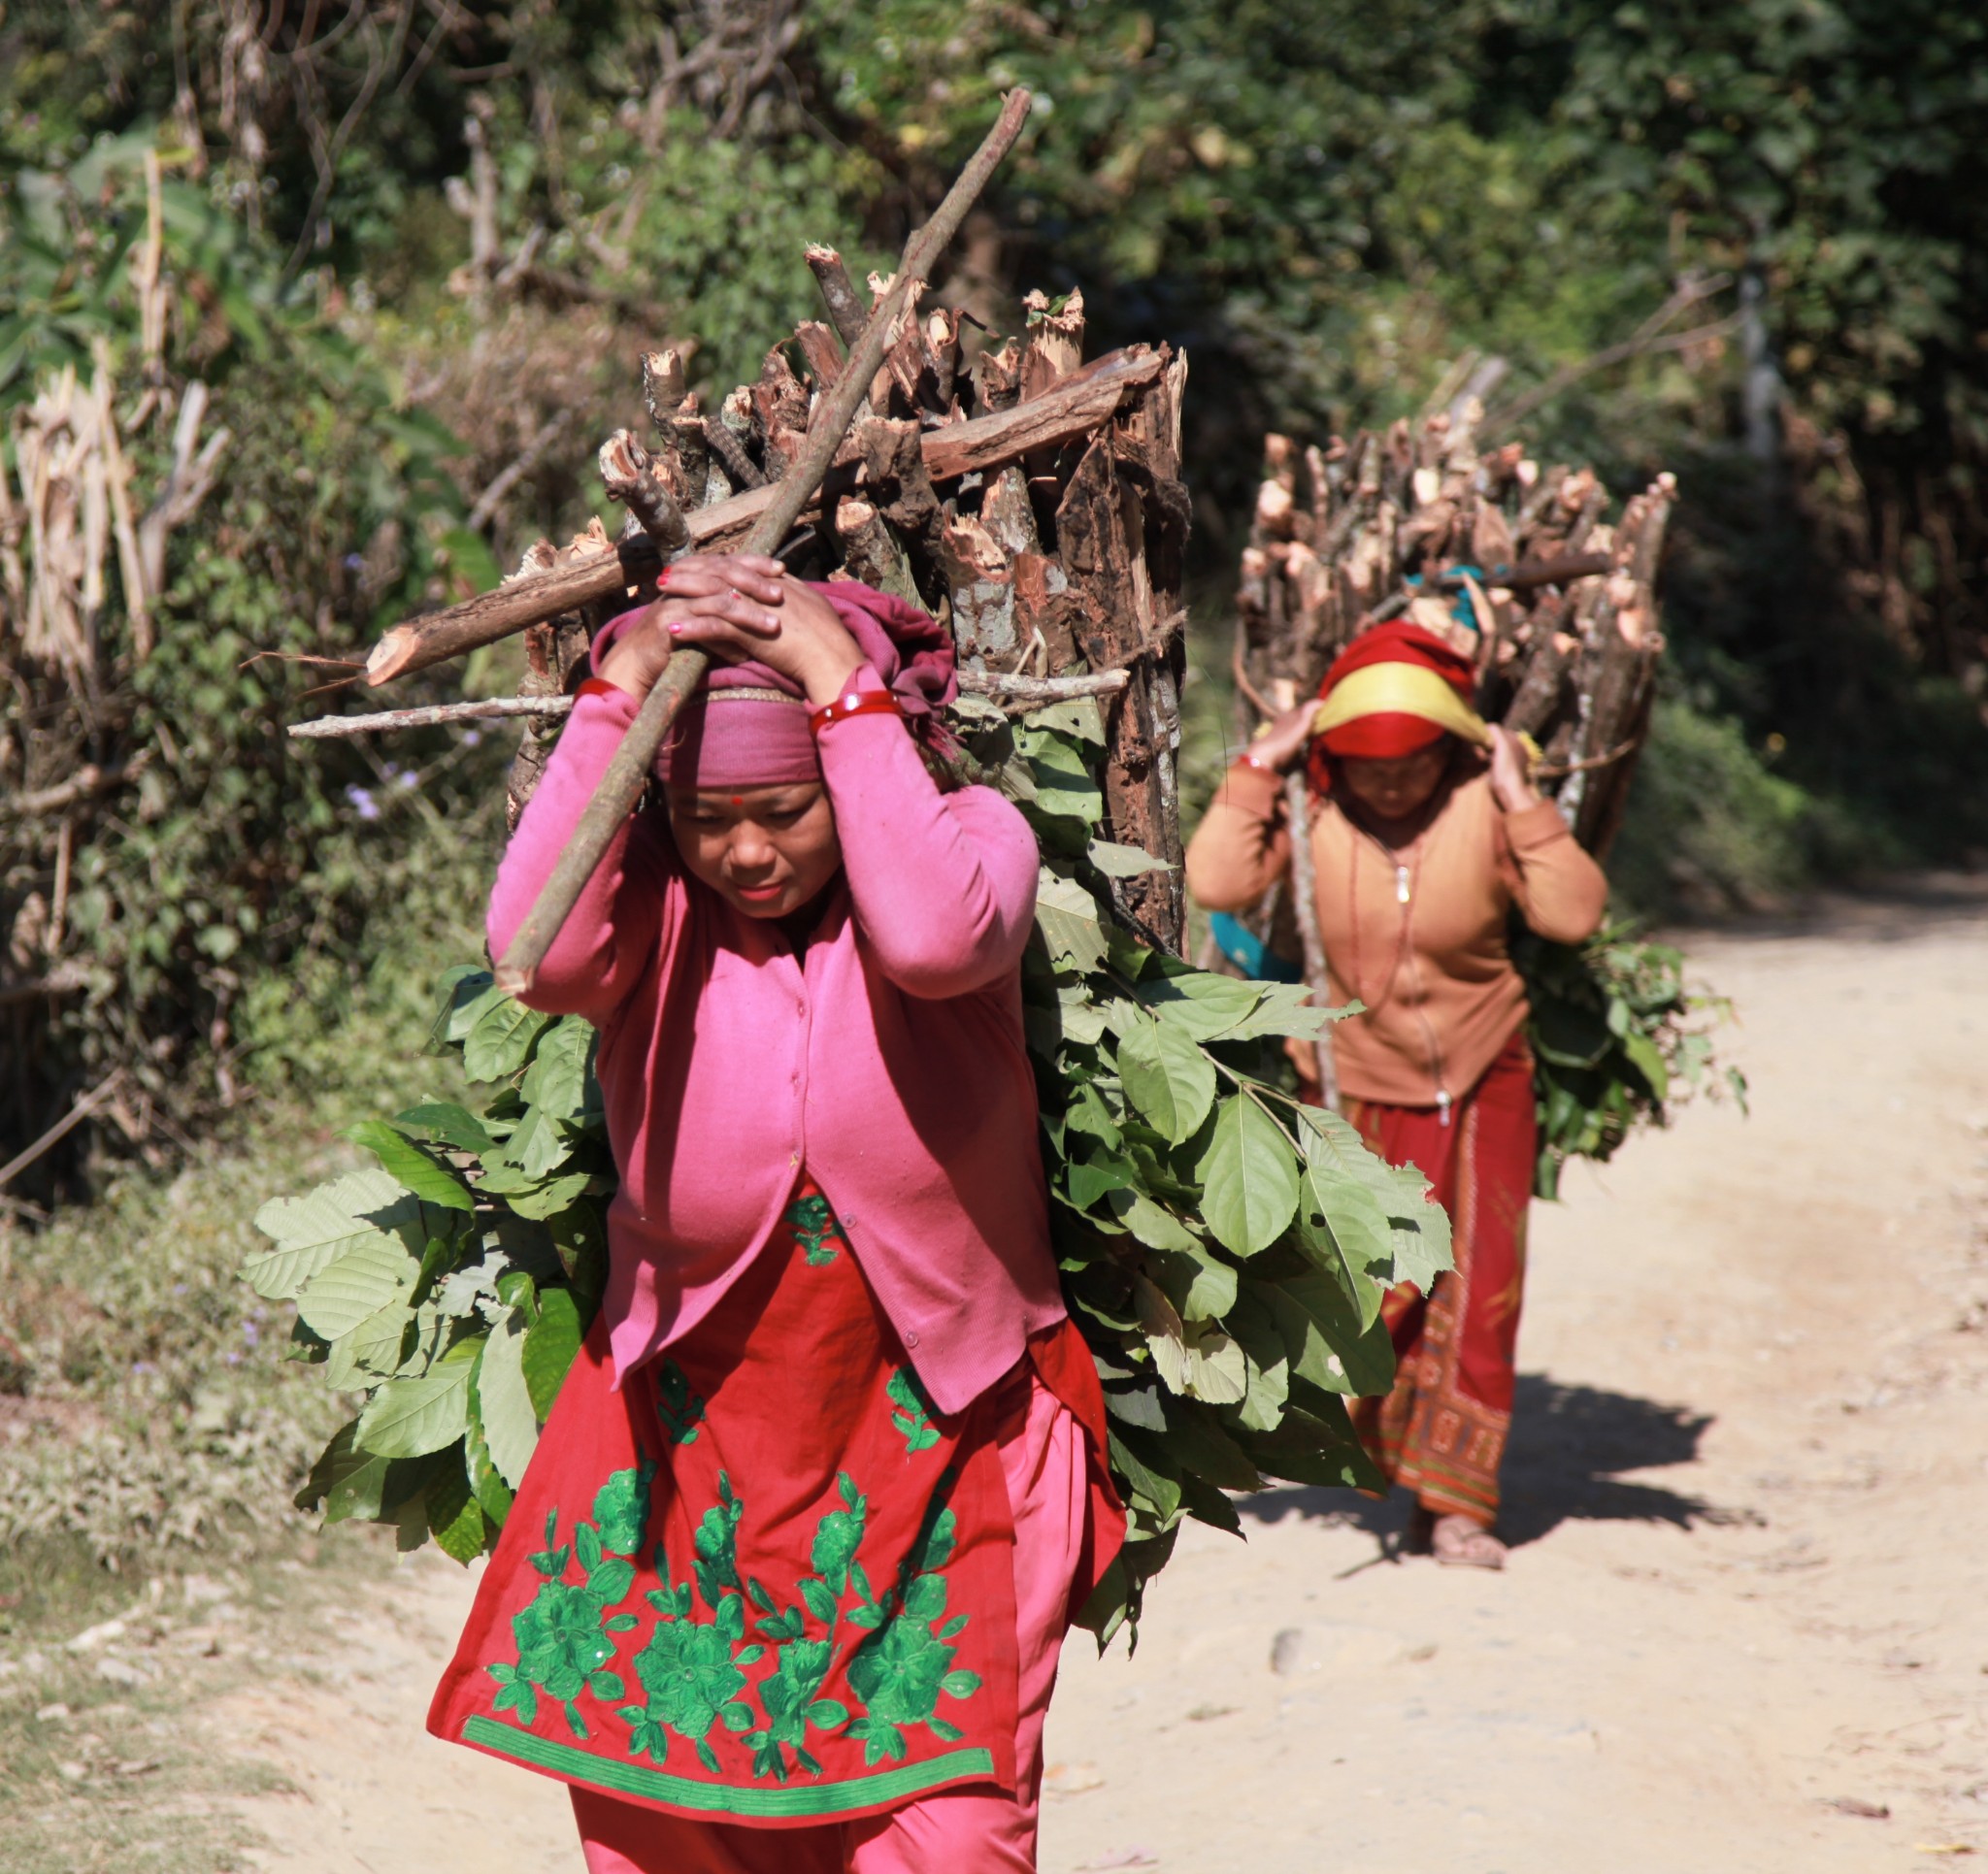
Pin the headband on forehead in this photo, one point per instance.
(747, 726)
(740, 734)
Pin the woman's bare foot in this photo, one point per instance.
(1457, 1542)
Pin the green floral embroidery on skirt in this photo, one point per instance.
(693, 1671)
(815, 1228)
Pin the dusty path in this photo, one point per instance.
(1747, 1490)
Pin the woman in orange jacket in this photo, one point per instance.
(1426, 835)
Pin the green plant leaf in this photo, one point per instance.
(1250, 1177)
(556, 1079)
(502, 1039)
(451, 1124)
(1123, 862)
(373, 1271)
(313, 1231)
(550, 1346)
(1200, 1286)
(1156, 1228)
(504, 1401)
(409, 1416)
(455, 1519)
(1216, 1368)
(1166, 1335)
(1167, 1076)
(417, 1169)
(1067, 917)
(1201, 1005)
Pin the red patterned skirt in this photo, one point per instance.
(1441, 1430)
(764, 1581)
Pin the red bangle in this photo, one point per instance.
(598, 686)
(853, 703)
(1248, 758)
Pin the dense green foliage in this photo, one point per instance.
(1619, 1038)
(1224, 1248)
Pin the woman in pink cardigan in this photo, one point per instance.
(786, 1583)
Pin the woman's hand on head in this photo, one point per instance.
(1511, 771)
(733, 607)
(1284, 743)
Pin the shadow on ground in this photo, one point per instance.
(1569, 1448)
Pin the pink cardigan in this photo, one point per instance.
(888, 1061)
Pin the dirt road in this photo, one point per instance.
(1743, 1630)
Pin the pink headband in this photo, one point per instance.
(748, 725)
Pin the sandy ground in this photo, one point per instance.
(1743, 1628)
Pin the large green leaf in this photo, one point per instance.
(504, 1400)
(556, 1079)
(1167, 1076)
(451, 1124)
(1123, 862)
(455, 1519)
(1418, 1229)
(1203, 1006)
(376, 1271)
(409, 1416)
(1325, 1341)
(418, 1170)
(315, 1230)
(1250, 1177)
(1067, 916)
(549, 1348)
(371, 1350)
(502, 1039)
(1200, 1285)
(1156, 1228)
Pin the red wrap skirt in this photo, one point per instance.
(1441, 1430)
(764, 1582)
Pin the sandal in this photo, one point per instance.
(1457, 1542)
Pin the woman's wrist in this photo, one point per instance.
(827, 677)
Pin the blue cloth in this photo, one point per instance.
(1249, 953)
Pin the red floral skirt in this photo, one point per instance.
(763, 1580)
(1441, 1430)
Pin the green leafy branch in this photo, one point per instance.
(452, 1287)
(1618, 1040)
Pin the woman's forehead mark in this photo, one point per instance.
(738, 800)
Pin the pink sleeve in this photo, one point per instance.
(613, 931)
(943, 884)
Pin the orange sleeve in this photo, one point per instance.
(1241, 847)
(1562, 894)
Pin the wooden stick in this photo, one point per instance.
(1043, 690)
(621, 785)
(839, 291)
(496, 707)
(730, 451)
(1024, 692)
(1078, 406)
(64, 1125)
(1305, 903)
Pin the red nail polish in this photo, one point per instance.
(663, 577)
(675, 631)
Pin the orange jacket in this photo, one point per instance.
(1420, 936)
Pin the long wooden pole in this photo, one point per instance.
(620, 787)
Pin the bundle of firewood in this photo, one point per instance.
(1026, 499)
(1522, 569)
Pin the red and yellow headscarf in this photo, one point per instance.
(1395, 689)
